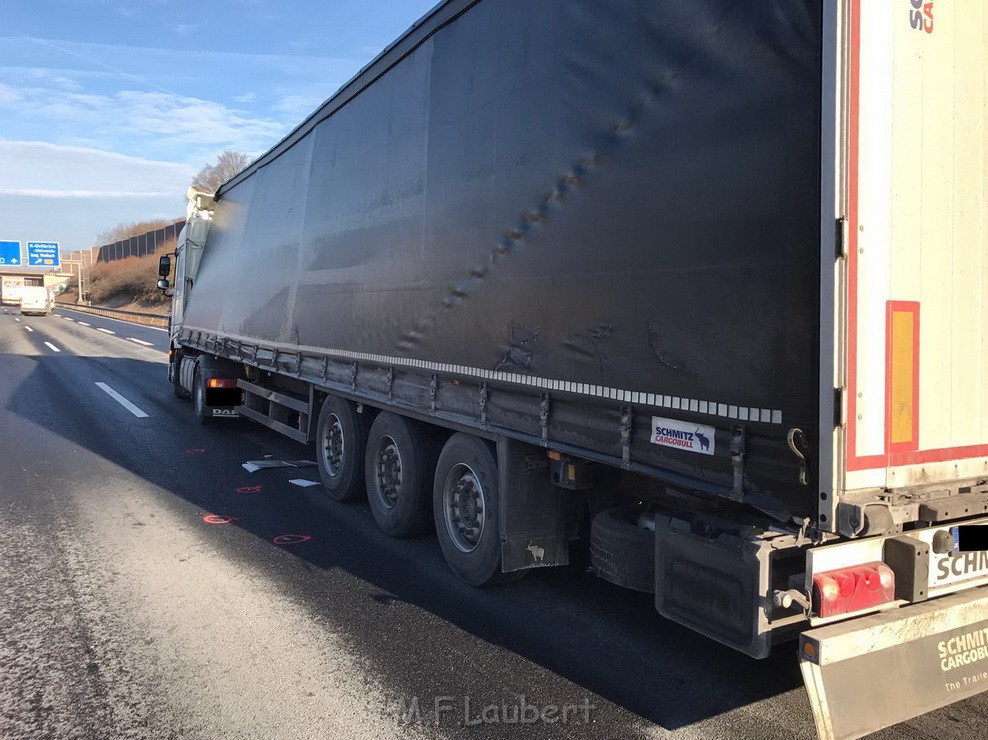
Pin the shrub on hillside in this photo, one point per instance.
(130, 280)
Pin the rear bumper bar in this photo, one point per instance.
(882, 669)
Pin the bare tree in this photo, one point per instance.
(228, 165)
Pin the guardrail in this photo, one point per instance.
(134, 317)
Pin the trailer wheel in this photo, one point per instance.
(199, 398)
(398, 470)
(465, 508)
(621, 551)
(341, 441)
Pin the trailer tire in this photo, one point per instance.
(622, 552)
(203, 415)
(466, 485)
(341, 441)
(399, 466)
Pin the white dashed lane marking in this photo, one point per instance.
(52, 347)
(28, 327)
(105, 331)
(122, 401)
(83, 323)
(140, 341)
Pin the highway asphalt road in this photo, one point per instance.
(123, 613)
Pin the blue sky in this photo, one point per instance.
(109, 107)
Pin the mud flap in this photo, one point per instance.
(876, 671)
(533, 511)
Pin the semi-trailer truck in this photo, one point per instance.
(709, 275)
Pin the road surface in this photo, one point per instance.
(124, 613)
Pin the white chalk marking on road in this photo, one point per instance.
(28, 327)
(105, 331)
(122, 401)
(83, 323)
(52, 347)
(140, 341)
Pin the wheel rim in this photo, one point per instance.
(333, 445)
(463, 507)
(387, 472)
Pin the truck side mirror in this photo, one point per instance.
(164, 267)
(163, 284)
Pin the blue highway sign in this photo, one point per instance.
(10, 253)
(43, 254)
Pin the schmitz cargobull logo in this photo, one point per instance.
(682, 435)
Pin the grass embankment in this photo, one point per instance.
(127, 284)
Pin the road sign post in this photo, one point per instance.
(10, 254)
(43, 254)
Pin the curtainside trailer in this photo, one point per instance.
(700, 281)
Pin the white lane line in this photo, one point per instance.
(122, 401)
(28, 327)
(52, 347)
(105, 331)
(16, 319)
(140, 341)
(83, 323)
(68, 318)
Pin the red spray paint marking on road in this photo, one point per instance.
(291, 539)
(218, 519)
(195, 451)
(249, 489)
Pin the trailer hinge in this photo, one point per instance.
(325, 367)
(737, 460)
(391, 384)
(353, 376)
(298, 365)
(433, 390)
(274, 360)
(841, 238)
(544, 409)
(626, 420)
(840, 414)
(484, 395)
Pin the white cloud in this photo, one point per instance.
(89, 190)
(153, 123)
(42, 167)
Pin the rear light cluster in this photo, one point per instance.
(854, 589)
(221, 383)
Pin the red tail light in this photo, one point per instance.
(221, 383)
(853, 589)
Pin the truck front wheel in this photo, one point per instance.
(174, 376)
(465, 509)
(203, 413)
(341, 441)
